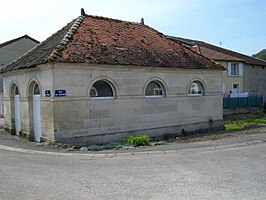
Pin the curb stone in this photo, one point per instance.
(114, 155)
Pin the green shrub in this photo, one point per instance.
(138, 140)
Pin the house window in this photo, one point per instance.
(235, 69)
(196, 88)
(101, 89)
(154, 88)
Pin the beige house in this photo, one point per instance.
(99, 80)
(244, 73)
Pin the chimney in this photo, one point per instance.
(83, 12)
(142, 21)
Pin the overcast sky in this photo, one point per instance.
(238, 24)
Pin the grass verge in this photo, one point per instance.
(242, 123)
(232, 124)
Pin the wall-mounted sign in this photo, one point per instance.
(48, 93)
(60, 93)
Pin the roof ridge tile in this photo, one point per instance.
(55, 54)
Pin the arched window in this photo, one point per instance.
(14, 89)
(36, 89)
(155, 88)
(196, 88)
(101, 89)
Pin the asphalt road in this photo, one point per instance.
(232, 173)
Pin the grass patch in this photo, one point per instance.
(138, 140)
(112, 145)
(130, 142)
(242, 123)
(231, 123)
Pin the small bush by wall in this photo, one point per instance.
(138, 140)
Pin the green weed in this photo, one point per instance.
(138, 140)
(239, 124)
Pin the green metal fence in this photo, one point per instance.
(242, 102)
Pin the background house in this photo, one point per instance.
(98, 80)
(11, 50)
(244, 73)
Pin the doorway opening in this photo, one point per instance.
(35, 111)
(15, 110)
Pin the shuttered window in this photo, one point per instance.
(235, 69)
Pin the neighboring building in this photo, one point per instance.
(244, 73)
(11, 50)
(99, 80)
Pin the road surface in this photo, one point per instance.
(230, 173)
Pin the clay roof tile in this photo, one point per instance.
(99, 40)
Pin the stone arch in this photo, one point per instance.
(158, 85)
(199, 83)
(105, 83)
(32, 85)
(34, 88)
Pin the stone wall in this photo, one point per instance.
(43, 76)
(78, 118)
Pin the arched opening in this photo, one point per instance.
(155, 89)
(15, 109)
(35, 111)
(101, 89)
(196, 88)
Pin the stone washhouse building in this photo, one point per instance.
(99, 80)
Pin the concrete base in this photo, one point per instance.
(162, 132)
(25, 135)
(47, 140)
(10, 130)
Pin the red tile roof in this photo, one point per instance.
(99, 40)
(218, 53)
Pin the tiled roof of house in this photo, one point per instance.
(99, 40)
(17, 39)
(218, 53)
